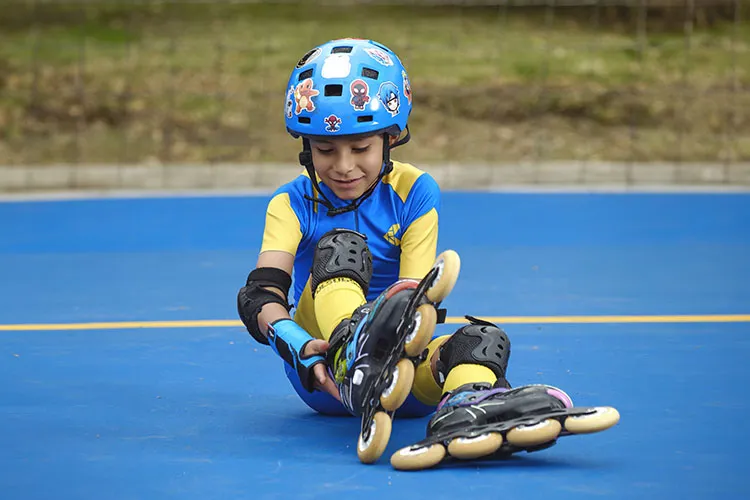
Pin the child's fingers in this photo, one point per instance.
(331, 389)
(316, 347)
(325, 383)
(320, 373)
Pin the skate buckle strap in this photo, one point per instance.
(477, 321)
(471, 392)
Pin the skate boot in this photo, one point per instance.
(372, 357)
(479, 420)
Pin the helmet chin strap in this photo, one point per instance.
(305, 159)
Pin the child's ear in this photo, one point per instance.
(392, 139)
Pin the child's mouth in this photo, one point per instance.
(347, 183)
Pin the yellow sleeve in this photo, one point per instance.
(282, 231)
(419, 246)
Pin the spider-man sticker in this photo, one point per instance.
(359, 90)
(333, 123)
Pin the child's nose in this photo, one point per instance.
(344, 165)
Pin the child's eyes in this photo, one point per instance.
(355, 150)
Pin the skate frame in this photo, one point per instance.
(403, 330)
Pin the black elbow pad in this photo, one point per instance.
(253, 296)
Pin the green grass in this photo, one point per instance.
(205, 83)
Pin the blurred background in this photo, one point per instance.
(189, 94)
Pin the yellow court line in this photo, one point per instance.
(126, 325)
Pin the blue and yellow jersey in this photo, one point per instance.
(400, 220)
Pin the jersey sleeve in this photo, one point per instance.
(419, 239)
(282, 230)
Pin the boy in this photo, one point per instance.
(358, 232)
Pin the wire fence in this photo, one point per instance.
(635, 90)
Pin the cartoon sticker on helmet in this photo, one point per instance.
(303, 95)
(336, 66)
(407, 86)
(359, 90)
(332, 122)
(380, 56)
(309, 57)
(289, 104)
(388, 95)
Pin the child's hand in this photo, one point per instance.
(322, 381)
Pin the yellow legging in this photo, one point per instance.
(429, 390)
(335, 300)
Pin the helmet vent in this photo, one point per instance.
(370, 73)
(341, 50)
(303, 119)
(365, 118)
(305, 74)
(334, 90)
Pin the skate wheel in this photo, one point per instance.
(424, 457)
(603, 418)
(449, 265)
(475, 447)
(425, 319)
(371, 449)
(534, 434)
(401, 381)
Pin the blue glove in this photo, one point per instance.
(288, 340)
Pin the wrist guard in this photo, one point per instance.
(288, 340)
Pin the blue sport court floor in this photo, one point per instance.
(125, 374)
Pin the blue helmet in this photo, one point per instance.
(347, 87)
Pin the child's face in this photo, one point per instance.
(348, 166)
